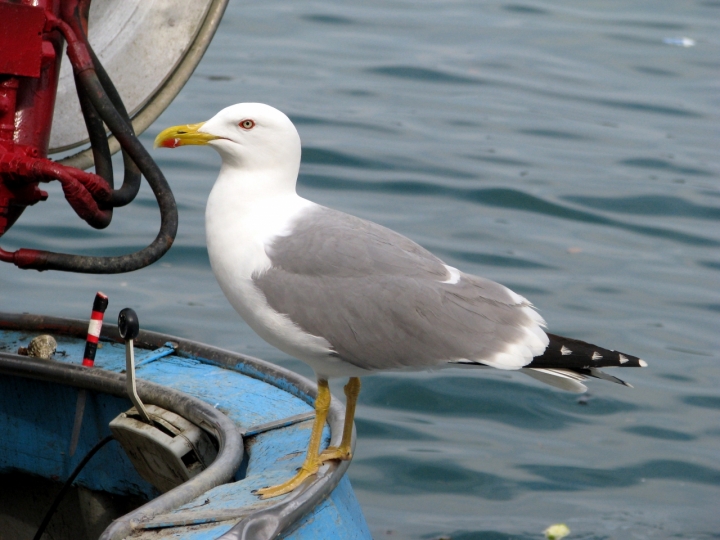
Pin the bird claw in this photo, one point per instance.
(303, 474)
(306, 471)
(335, 452)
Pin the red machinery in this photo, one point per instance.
(31, 39)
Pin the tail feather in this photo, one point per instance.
(567, 353)
(566, 356)
(595, 372)
(567, 362)
(563, 379)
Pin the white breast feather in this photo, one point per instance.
(237, 237)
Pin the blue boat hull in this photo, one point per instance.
(269, 407)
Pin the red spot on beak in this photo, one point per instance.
(171, 143)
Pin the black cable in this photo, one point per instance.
(47, 260)
(166, 201)
(116, 120)
(77, 19)
(68, 484)
(98, 138)
(131, 183)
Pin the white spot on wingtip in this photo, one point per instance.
(642, 363)
(454, 275)
(623, 358)
(565, 351)
(596, 356)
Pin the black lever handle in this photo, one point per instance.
(128, 324)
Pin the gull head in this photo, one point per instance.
(248, 136)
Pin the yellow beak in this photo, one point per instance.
(175, 136)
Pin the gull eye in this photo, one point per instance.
(247, 124)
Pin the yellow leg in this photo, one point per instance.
(312, 461)
(344, 452)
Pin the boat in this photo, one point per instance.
(255, 419)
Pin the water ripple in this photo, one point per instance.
(524, 9)
(562, 478)
(423, 75)
(649, 70)
(648, 205)
(555, 134)
(713, 265)
(501, 198)
(376, 429)
(533, 408)
(323, 156)
(705, 402)
(485, 535)
(340, 159)
(410, 476)
(501, 160)
(656, 25)
(328, 19)
(318, 120)
(643, 107)
(660, 433)
(493, 260)
(664, 165)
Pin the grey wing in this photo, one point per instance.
(384, 302)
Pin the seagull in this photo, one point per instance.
(350, 297)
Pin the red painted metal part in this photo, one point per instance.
(31, 38)
(21, 37)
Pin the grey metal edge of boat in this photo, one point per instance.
(264, 523)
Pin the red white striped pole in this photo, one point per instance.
(91, 344)
(93, 336)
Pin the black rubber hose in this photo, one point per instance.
(98, 138)
(122, 129)
(166, 201)
(131, 182)
(77, 19)
(124, 133)
(68, 484)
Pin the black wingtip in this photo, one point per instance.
(568, 353)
